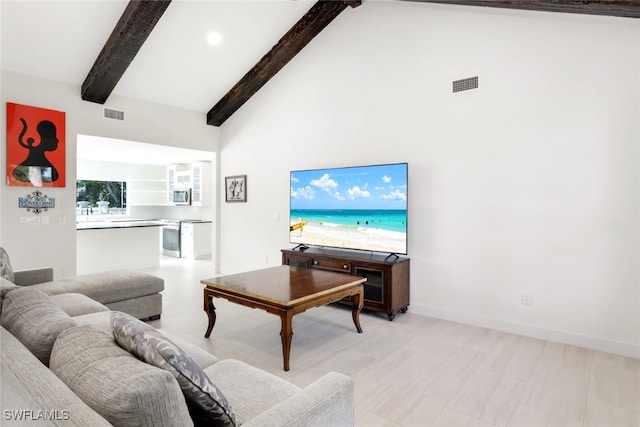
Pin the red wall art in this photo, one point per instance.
(35, 146)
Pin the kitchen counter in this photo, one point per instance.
(113, 245)
(98, 225)
(104, 245)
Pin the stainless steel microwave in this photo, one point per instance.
(181, 197)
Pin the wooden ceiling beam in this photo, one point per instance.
(134, 26)
(310, 25)
(620, 8)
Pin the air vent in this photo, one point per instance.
(113, 114)
(465, 84)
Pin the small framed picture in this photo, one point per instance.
(236, 188)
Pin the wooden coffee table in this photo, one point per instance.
(285, 291)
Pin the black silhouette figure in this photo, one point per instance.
(36, 158)
(236, 189)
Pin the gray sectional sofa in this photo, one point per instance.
(67, 359)
(132, 292)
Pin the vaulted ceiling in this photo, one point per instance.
(622, 8)
(156, 50)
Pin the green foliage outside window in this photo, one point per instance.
(114, 192)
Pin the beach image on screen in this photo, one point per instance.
(356, 208)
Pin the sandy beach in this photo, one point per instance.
(357, 238)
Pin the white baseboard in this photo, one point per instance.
(594, 343)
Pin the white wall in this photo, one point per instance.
(48, 239)
(528, 184)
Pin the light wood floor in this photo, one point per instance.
(415, 371)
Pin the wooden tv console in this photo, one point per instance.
(387, 285)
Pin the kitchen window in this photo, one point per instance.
(95, 198)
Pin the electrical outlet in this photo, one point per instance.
(527, 298)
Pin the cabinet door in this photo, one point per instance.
(201, 183)
(374, 286)
(183, 179)
(202, 240)
(196, 174)
(186, 243)
(171, 182)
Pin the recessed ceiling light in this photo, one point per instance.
(214, 39)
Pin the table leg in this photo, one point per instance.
(210, 309)
(286, 334)
(358, 303)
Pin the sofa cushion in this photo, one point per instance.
(33, 276)
(206, 403)
(114, 383)
(250, 390)
(142, 307)
(6, 271)
(100, 320)
(5, 286)
(77, 304)
(107, 287)
(202, 357)
(35, 320)
(30, 389)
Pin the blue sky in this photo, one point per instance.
(365, 187)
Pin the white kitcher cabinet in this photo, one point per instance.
(201, 183)
(196, 239)
(172, 179)
(196, 176)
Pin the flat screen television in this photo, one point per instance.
(358, 207)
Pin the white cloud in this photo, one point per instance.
(356, 191)
(303, 193)
(395, 195)
(326, 183)
(386, 179)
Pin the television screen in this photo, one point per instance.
(361, 207)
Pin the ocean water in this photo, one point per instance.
(383, 219)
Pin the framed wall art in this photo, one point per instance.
(35, 146)
(236, 188)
